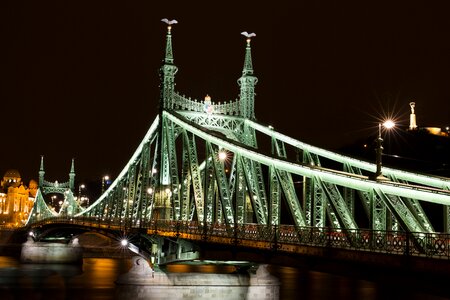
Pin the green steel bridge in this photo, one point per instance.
(201, 175)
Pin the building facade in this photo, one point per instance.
(16, 199)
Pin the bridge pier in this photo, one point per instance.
(45, 252)
(144, 282)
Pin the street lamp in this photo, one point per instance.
(80, 187)
(104, 181)
(223, 155)
(388, 124)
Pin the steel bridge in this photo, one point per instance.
(210, 172)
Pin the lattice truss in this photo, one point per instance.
(41, 210)
(208, 168)
(69, 206)
(207, 165)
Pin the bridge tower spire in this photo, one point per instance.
(168, 70)
(247, 83)
(72, 176)
(41, 172)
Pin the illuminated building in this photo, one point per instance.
(16, 199)
(416, 148)
(430, 130)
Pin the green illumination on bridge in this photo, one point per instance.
(200, 165)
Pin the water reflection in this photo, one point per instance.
(358, 282)
(95, 279)
(307, 284)
(100, 273)
(201, 268)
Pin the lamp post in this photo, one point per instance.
(379, 151)
(80, 187)
(80, 196)
(223, 155)
(104, 181)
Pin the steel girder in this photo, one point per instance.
(275, 190)
(142, 185)
(255, 187)
(169, 137)
(111, 203)
(195, 175)
(219, 196)
(275, 198)
(222, 185)
(254, 176)
(230, 126)
(152, 186)
(416, 209)
(349, 194)
(401, 212)
(130, 195)
(410, 177)
(238, 186)
(342, 214)
(69, 207)
(387, 220)
(373, 205)
(209, 187)
(254, 180)
(315, 196)
(186, 183)
(330, 197)
(40, 210)
(385, 185)
(282, 181)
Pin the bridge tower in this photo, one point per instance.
(69, 206)
(168, 71)
(247, 83)
(162, 195)
(56, 187)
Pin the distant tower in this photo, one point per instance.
(56, 187)
(41, 172)
(412, 117)
(72, 176)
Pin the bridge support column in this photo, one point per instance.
(142, 282)
(53, 253)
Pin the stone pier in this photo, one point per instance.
(142, 282)
(54, 253)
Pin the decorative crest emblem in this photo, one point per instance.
(208, 107)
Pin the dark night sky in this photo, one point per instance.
(80, 78)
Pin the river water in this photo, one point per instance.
(95, 279)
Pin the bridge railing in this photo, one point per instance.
(388, 242)
(433, 245)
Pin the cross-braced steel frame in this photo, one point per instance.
(208, 163)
